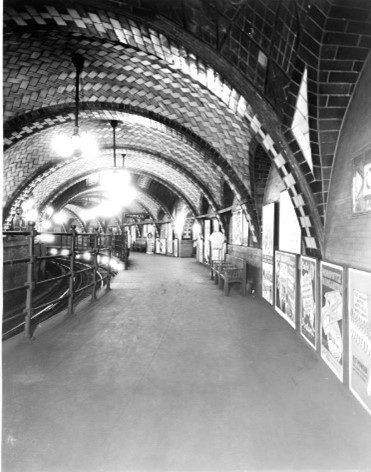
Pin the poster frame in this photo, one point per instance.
(207, 232)
(361, 171)
(315, 301)
(237, 227)
(351, 274)
(245, 230)
(338, 372)
(268, 211)
(291, 322)
(288, 241)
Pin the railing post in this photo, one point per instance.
(109, 247)
(95, 266)
(72, 269)
(125, 250)
(30, 281)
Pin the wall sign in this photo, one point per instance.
(360, 336)
(207, 229)
(170, 239)
(286, 286)
(268, 252)
(245, 230)
(308, 300)
(332, 292)
(289, 228)
(237, 227)
(362, 183)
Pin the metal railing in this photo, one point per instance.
(77, 254)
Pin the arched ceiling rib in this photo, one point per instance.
(143, 203)
(210, 71)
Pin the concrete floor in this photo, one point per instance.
(167, 374)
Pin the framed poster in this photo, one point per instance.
(169, 239)
(362, 182)
(161, 246)
(332, 293)
(308, 300)
(289, 228)
(286, 286)
(157, 246)
(237, 227)
(360, 336)
(200, 250)
(245, 230)
(267, 287)
(268, 253)
(207, 231)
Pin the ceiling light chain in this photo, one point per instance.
(83, 143)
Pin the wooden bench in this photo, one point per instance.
(140, 245)
(230, 271)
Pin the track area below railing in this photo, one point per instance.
(55, 276)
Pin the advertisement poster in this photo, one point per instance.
(267, 253)
(161, 246)
(362, 183)
(332, 291)
(200, 250)
(289, 228)
(237, 227)
(170, 239)
(207, 230)
(360, 336)
(285, 299)
(267, 290)
(245, 230)
(308, 300)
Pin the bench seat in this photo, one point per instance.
(231, 270)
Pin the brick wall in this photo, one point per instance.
(348, 235)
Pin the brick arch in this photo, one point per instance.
(252, 113)
(151, 205)
(75, 216)
(218, 165)
(58, 114)
(63, 174)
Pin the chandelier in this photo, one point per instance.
(80, 143)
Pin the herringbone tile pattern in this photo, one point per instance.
(127, 65)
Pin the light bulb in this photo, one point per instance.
(60, 218)
(62, 145)
(32, 215)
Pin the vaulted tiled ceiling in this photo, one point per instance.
(191, 82)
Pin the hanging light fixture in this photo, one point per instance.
(80, 142)
(114, 124)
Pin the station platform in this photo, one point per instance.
(165, 373)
